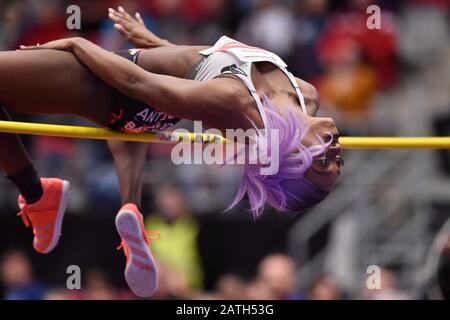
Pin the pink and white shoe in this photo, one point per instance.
(141, 272)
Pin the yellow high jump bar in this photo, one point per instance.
(105, 134)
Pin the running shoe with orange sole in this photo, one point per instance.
(46, 215)
(141, 272)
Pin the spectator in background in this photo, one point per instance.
(231, 287)
(378, 46)
(12, 15)
(278, 272)
(172, 285)
(269, 26)
(348, 85)
(46, 23)
(188, 21)
(210, 24)
(58, 295)
(17, 278)
(310, 19)
(423, 30)
(171, 20)
(177, 247)
(324, 288)
(260, 290)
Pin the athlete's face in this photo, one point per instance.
(326, 167)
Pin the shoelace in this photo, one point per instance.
(24, 215)
(26, 221)
(151, 236)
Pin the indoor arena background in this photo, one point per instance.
(388, 211)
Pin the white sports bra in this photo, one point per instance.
(243, 57)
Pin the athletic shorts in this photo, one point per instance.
(133, 116)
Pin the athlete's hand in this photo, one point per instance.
(61, 44)
(134, 29)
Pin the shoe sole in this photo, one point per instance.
(59, 217)
(141, 272)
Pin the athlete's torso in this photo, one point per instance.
(261, 71)
(256, 68)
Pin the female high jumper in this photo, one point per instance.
(227, 86)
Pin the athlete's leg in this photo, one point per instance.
(14, 156)
(129, 159)
(48, 82)
(52, 82)
(17, 165)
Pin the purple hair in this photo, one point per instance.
(287, 190)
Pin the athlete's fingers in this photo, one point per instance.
(120, 25)
(36, 47)
(114, 13)
(117, 16)
(125, 14)
(123, 31)
(119, 28)
(120, 21)
(120, 16)
(61, 44)
(123, 18)
(139, 18)
(114, 16)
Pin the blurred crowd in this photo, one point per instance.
(181, 273)
(325, 42)
(274, 280)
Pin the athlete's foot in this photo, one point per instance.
(141, 273)
(46, 215)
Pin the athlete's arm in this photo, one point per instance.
(134, 29)
(207, 101)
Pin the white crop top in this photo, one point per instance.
(239, 64)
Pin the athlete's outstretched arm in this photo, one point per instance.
(209, 101)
